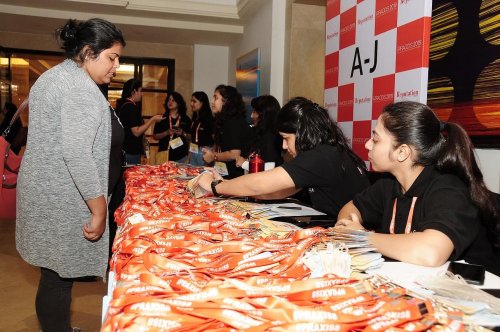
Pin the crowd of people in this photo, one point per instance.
(432, 206)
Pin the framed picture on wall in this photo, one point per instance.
(248, 77)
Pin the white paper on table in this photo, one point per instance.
(267, 166)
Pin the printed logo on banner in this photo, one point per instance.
(363, 100)
(386, 15)
(361, 133)
(408, 85)
(331, 102)
(332, 9)
(347, 28)
(332, 70)
(346, 102)
(383, 93)
(365, 22)
(412, 50)
(332, 35)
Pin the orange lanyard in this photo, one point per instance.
(196, 133)
(408, 221)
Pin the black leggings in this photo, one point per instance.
(53, 301)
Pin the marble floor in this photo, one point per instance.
(18, 285)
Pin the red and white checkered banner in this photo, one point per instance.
(377, 52)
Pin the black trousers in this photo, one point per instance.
(53, 301)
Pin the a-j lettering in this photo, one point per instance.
(357, 64)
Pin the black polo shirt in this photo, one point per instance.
(130, 117)
(331, 177)
(234, 135)
(443, 203)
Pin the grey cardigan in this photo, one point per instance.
(65, 163)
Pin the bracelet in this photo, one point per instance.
(213, 185)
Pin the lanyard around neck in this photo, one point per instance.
(196, 133)
(409, 221)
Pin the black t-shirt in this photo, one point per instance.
(182, 121)
(115, 154)
(443, 203)
(130, 117)
(202, 135)
(234, 135)
(331, 177)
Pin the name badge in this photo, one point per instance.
(221, 168)
(193, 148)
(176, 142)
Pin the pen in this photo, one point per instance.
(290, 207)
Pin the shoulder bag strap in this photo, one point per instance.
(21, 108)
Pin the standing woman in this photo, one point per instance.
(436, 207)
(323, 164)
(131, 118)
(232, 133)
(172, 130)
(202, 128)
(63, 181)
(265, 138)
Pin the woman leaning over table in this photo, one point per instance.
(323, 164)
(436, 206)
(232, 133)
(62, 185)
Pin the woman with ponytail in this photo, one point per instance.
(436, 206)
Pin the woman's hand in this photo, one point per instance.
(205, 181)
(157, 118)
(94, 229)
(351, 222)
(240, 160)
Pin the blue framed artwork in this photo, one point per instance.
(248, 78)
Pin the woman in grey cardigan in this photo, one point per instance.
(62, 185)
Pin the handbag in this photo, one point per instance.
(9, 169)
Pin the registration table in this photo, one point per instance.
(186, 264)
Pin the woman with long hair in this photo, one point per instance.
(323, 164)
(436, 206)
(171, 132)
(202, 128)
(232, 133)
(130, 116)
(265, 138)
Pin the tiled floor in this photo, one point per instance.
(18, 285)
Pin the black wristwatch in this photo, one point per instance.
(214, 191)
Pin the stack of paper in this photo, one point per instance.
(364, 257)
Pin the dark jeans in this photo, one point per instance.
(53, 301)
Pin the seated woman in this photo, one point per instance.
(323, 163)
(430, 211)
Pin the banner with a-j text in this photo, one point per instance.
(377, 52)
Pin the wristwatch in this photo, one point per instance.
(214, 191)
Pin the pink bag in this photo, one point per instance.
(9, 168)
